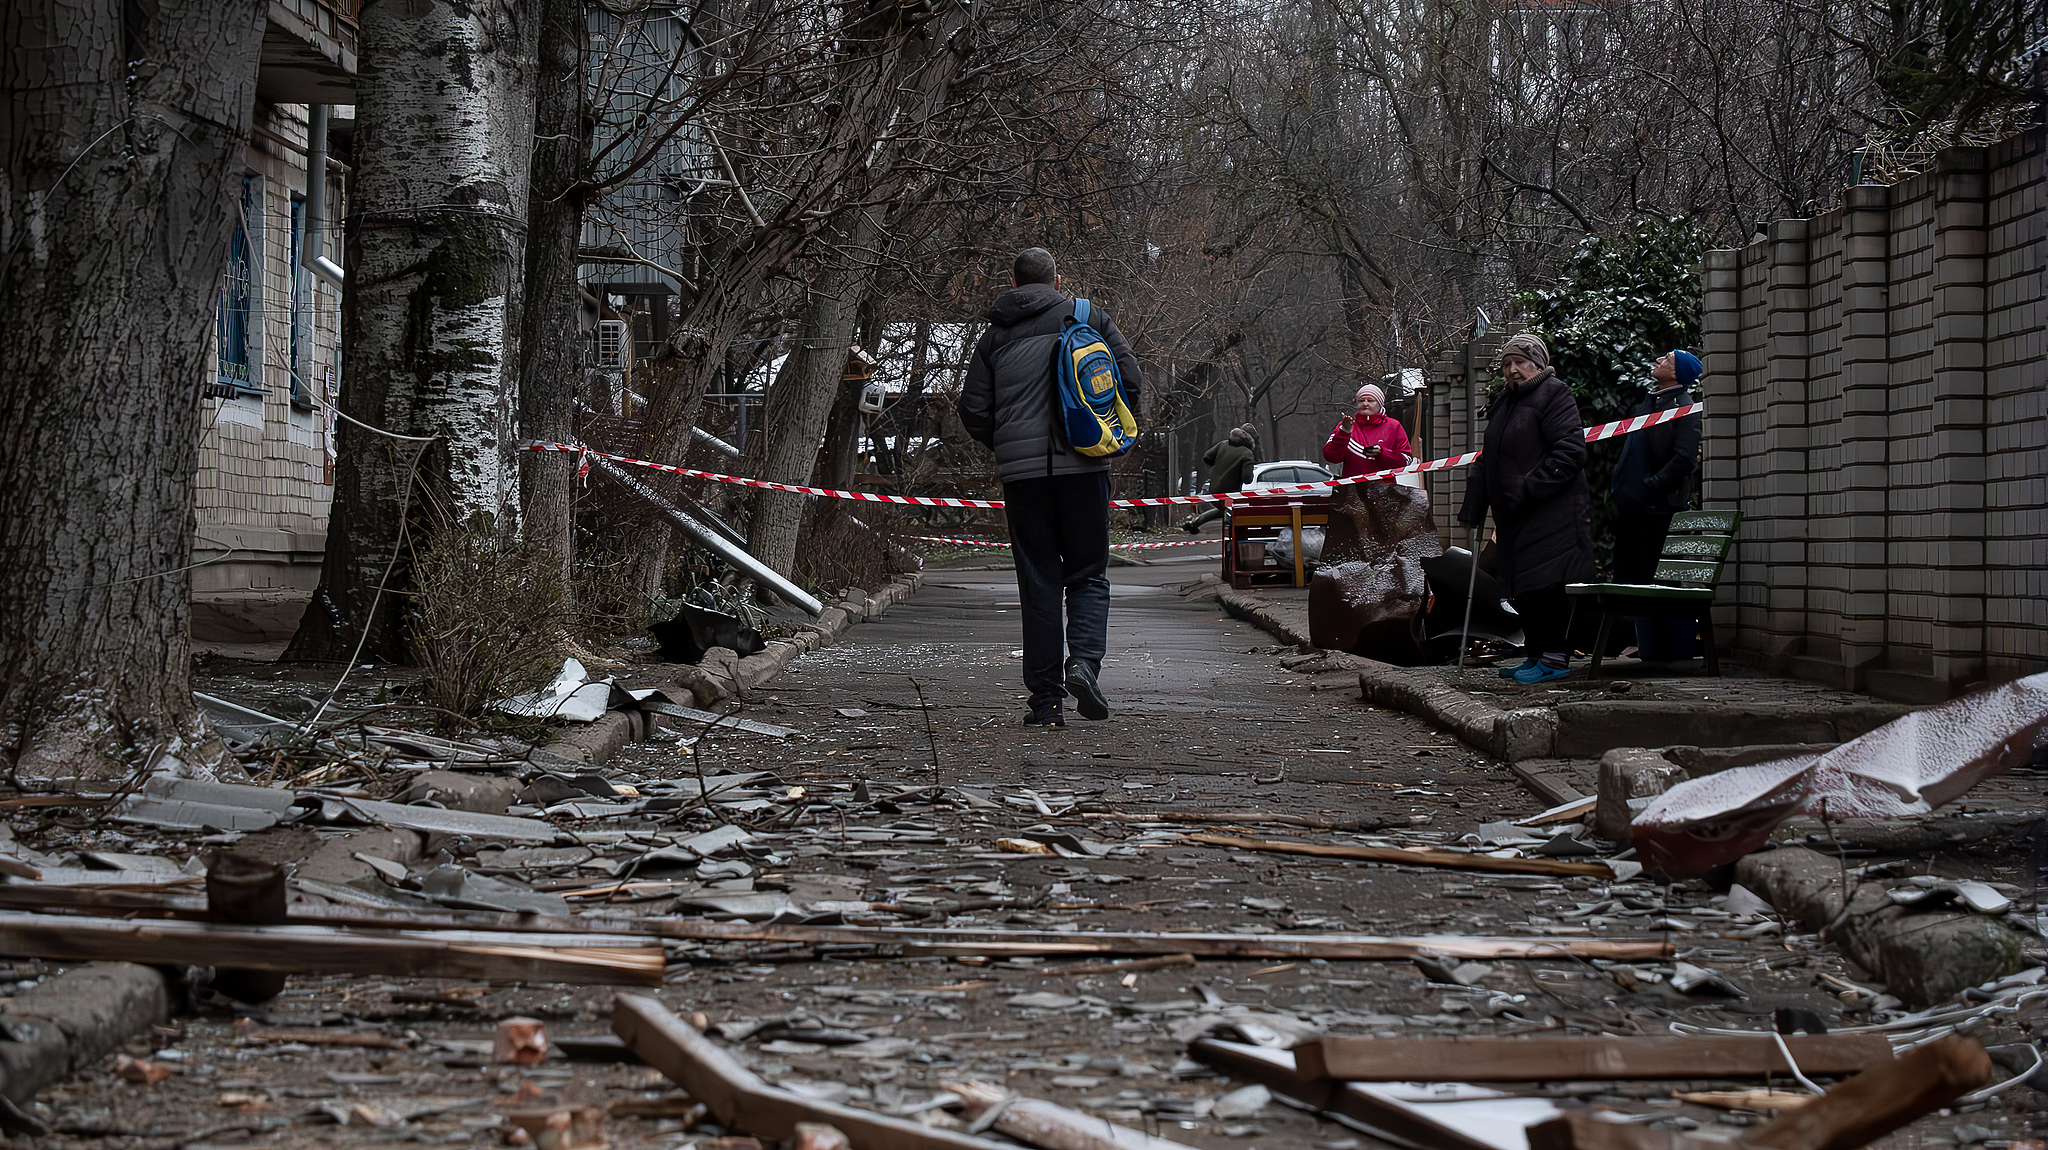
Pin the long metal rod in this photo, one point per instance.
(1471, 589)
(789, 592)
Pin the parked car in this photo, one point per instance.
(1286, 472)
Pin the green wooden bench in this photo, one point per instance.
(1687, 573)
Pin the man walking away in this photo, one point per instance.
(1056, 500)
(1653, 480)
(1230, 468)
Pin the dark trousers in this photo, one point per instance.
(1638, 544)
(1059, 536)
(1546, 621)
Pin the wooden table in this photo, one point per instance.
(1264, 518)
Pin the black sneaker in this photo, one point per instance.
(1045, 717)
(1087, 695)
(1191, 527)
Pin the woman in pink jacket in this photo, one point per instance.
(1370, 441)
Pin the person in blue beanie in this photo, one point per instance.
(1652, 480)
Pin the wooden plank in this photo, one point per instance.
(1856, 1113)
(595, 960)
(742, 1101)
(926, 940)
(1361, 1059)
(1410, 856)
(1379, 1113)
(1104, 942)
(1881, 1099)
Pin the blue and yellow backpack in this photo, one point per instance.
(1092, 414)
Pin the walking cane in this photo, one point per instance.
(1471, 589)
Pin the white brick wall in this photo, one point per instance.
(1878, 408)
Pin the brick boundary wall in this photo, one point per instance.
(1877, 406)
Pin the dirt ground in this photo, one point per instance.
(908, 765)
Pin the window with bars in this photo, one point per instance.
(235, 310)
(612, 342)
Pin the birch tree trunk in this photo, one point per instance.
(436, 259)
(123, 136)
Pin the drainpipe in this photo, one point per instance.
(314, 253)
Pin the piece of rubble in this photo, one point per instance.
(1036, 1122)
(1630, 777)
(561, 1125)
(1924, 957)
(520, 1041)
(140, 1070)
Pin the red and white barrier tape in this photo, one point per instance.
(1113, 546)
(1593, 435)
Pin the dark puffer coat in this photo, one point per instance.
(1533, 478)
(1008, 403)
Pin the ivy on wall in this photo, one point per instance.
(1619, 303)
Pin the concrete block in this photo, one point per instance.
(1629, 778)
(68, 1023)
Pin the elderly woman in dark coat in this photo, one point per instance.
(1533, 478)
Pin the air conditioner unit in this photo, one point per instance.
(613, 343)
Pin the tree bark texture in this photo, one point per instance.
(897, 70)
(793, 419)
(551, 338)
(431, 317)
(123, 134)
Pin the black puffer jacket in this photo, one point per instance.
(1008, 402)
(1533, 478)
(1654, 473)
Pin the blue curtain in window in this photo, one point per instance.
(237, 294)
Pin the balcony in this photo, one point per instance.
(309, 52)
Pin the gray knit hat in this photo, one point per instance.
(1529, 348)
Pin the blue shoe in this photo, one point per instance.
(1511, 672)
(1541, 673)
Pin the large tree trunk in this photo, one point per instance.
(124, 135)
(551, 339)
(793, 422)
(436, 254)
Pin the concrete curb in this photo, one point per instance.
(64, 1025)
(1510, 735)
(1924, 957)
(723, 675)
(1285, 622)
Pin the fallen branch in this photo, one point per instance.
(741, 1100)
(602, 960)
(1410, 856)
(1600, 1057)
